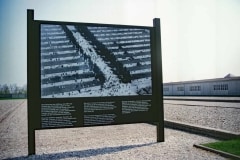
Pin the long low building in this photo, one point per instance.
(227, 86)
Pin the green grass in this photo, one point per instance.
(230, 146)
(11, 98)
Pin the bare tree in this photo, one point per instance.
(5, 89)
(12, 89)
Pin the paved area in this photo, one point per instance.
(132, 141)
(219, 115)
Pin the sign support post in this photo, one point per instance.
(32, 99)
(159, 96)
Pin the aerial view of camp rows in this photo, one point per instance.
(88, 61)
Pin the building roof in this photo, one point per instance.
(229, 75)
(226, 78)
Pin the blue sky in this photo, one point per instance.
(200, 38)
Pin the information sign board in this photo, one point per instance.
(87, 74)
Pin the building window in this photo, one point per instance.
(165, 89)
(195, 88)
(220, 87)
(180, 88)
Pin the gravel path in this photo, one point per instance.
(132, 141)
(219, 115)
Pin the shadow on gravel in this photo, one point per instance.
(81, 154)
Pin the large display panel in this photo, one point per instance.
(86, 74)
(94, 61)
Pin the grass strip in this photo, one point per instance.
(11, 98)
(229, 146)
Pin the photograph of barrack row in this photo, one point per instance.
(90, 61)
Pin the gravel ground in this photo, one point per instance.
(219, 115)
(132, 141)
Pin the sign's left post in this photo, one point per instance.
(33, 80)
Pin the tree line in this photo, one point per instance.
(13, 89)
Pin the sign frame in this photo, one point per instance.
(36, 103)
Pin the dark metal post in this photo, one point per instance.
(159, 98)
(30, 109)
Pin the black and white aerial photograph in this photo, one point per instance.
(94, 61)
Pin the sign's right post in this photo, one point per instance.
(158, 89)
